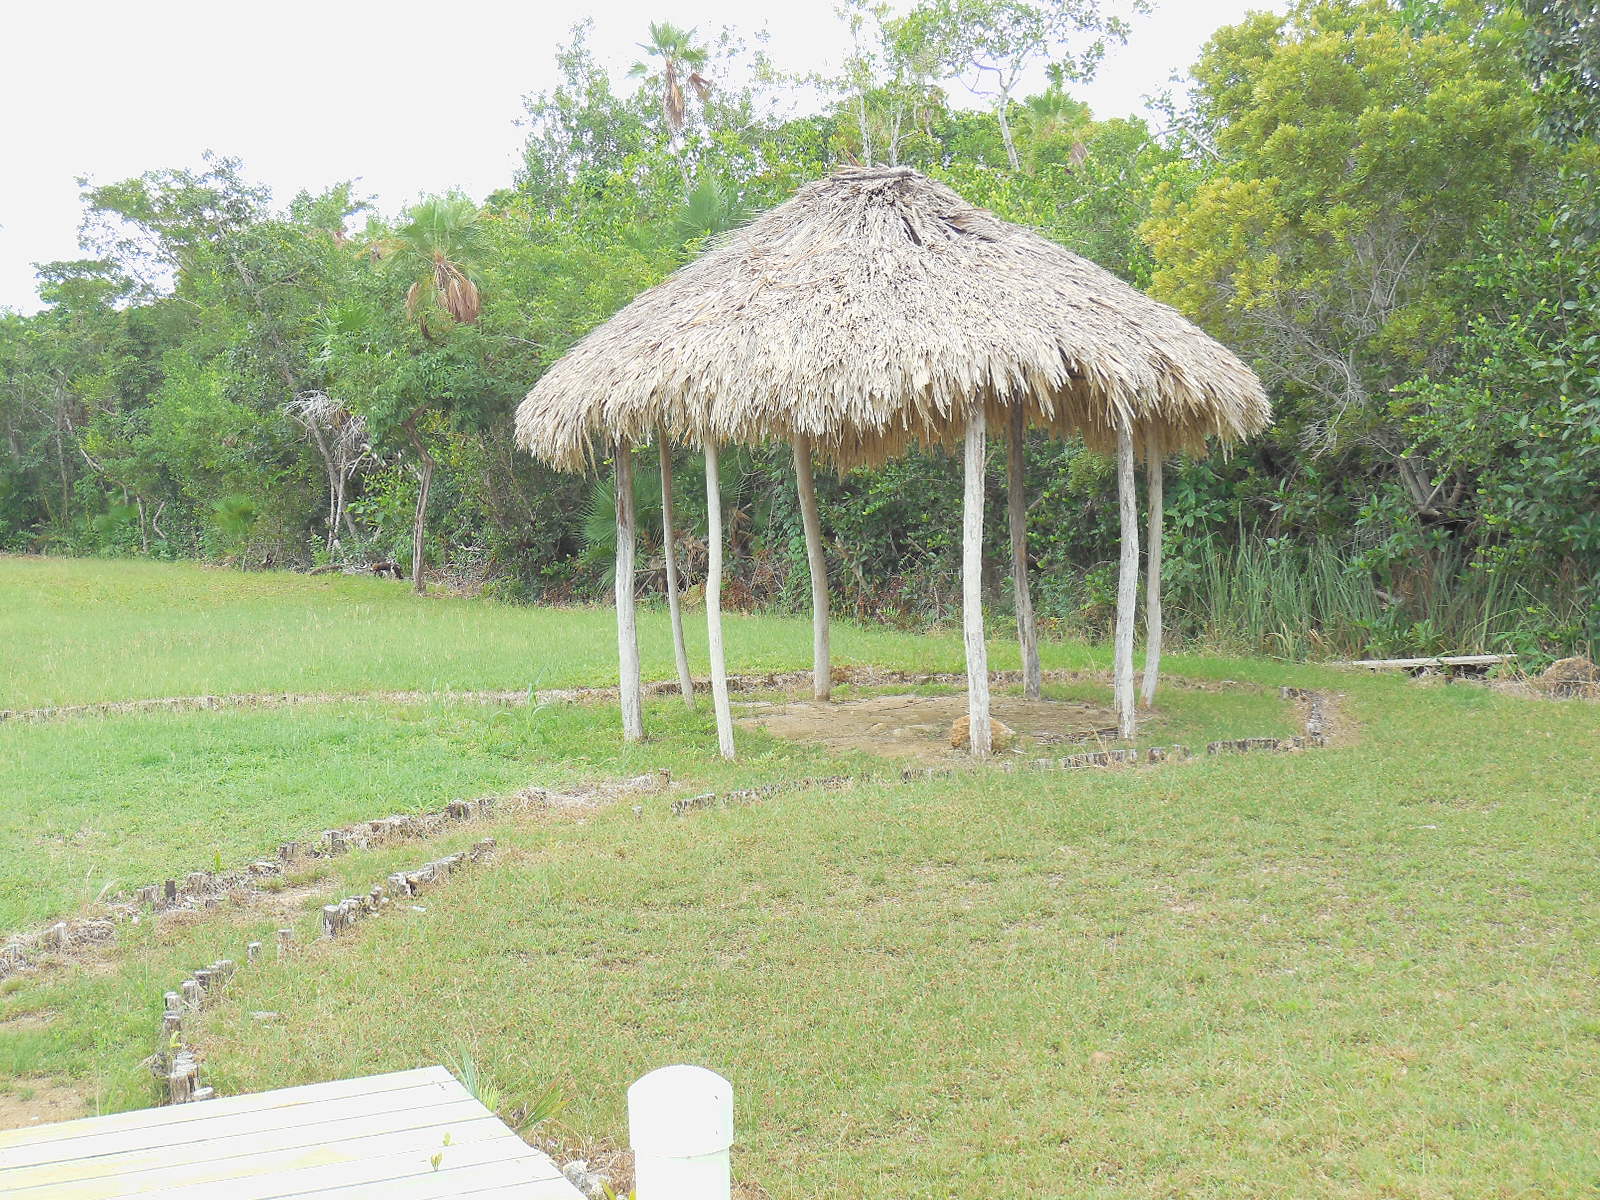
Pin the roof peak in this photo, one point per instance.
(864, 174)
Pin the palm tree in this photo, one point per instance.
(712, 207)
(678, 53)
(437, 247)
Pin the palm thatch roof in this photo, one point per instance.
(877, 308)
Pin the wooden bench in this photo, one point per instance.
(411, 1135)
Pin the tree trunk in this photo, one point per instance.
(719, 666)
(1152, 583)
(972, 588)
(1017, 510)
(332, 470)
(1005, 132)
(805, 486)
(420, 523)
(669, 548)
(340, 513)
(1127, 583)
(627, 630)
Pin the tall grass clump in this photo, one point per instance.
(1318, 600)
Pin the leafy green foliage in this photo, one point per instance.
(1388, 206)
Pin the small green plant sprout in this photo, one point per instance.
(550, 1103)
(438, 1155)
(478, 1084)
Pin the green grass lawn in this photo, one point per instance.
(1369, 970)
(78, 630)
(97, 806)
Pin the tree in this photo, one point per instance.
(342, 443)
(1563, 51)
(885, 83)
(680, 60)
(990, 45)
(437, 247)
(1357, 155)
(1517, 415)
(580, 132)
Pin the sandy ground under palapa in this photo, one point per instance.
(910, 728)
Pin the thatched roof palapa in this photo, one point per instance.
(877, 308)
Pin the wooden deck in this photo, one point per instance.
(355, 1137)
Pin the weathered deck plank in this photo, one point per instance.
(415, 1134)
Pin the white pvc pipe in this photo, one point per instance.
(680, 1126)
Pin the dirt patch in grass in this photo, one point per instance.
(42, 1101)
(910, 728)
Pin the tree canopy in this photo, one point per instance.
(1390, 206)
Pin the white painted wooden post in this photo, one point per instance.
(680, 1125)
(719, 665)
(978, 732)
(669, 548)
(805, 486)
(1127, 583)
(1152, 581)
(627, 626)
(1017, 509)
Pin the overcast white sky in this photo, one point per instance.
(411, 98)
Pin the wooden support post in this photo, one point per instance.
(1017, 510)
(972, 587)
(184, 1078)
(719, 666)
(669, 549)
(817, 563)
(1152, 579)
(627, 625)
(1127, 583)
(285, 942)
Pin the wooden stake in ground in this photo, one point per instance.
(627, 625)
(805, 486)
(719, 666)
(1017, 508)
(669, 548)
(1152, 580)
(1127, 583)
(972, 588)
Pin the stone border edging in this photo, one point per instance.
(207, 889)
(749, 682)
(177, 1060)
